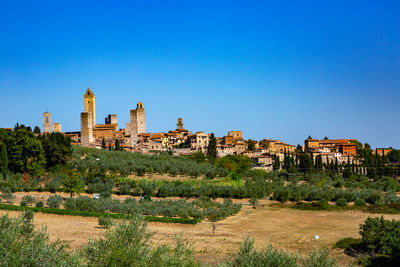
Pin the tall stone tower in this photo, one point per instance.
(90, 106)
(46, 122)
(86, 129)
(179, 125)
(137, 123)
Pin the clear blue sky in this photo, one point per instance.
(273, 69)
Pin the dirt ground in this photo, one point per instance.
(292, 230)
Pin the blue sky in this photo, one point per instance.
(273, 69)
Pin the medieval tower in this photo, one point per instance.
(86, 129)
(137, 123)
(46, 122)
(90, 106)
(179, 125)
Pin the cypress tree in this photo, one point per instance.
(109, 146)
(117, 147)
(3, 159)
(212, 147)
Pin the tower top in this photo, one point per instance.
(140, 105)
(89, 92)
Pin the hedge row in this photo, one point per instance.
(99, 214)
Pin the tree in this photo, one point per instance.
(103, 144)
(306, 163)
(277, 163)
(3, 159)
(251, 145)
(57, 149)
(72, 184)
(109, 146)
(36, 130)
(394, 155)
(117, 147)
(212, 147)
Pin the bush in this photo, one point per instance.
(381, 237)
(105, 222)
(7, 195)
(341, 202)
(345, 243)
(30, 200)
(360, 202)
(323, 204)
(39, 204)
(21, 245)
(23, 203)
(54, 202)
(128, 244)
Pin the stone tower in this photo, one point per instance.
(137, 123)
(90, 106)
(46, 122)
(179, 125)
(56, 127)
(86, 128)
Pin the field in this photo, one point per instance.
(292, 230)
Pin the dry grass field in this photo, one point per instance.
(292, 230)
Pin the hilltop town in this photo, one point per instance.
(267, 154)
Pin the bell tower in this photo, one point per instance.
(90, 106)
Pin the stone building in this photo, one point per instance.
(56, 127)
(90, 106)
(179, 125)
(111, 119)
(86, 129)
(46, 122)
(137, 123)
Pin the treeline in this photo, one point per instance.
(371, 164)
(24, 151)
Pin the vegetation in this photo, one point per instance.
(127, 244)
(379, 244)
(21, 150)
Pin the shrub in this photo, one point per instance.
(105, 222)
(323, 204)
(381, 237)
(7, 195)
(249, 256)
(347, 242)
(29, 200)
(341, 202)
(54, 202)
(128, 244)
(39, 204)
(359, 202)
(23, 203)
(21, 245)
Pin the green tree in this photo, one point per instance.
(72, 184)
(3, 159)
(36, 130)
(117, 146)
(109, 146)
(57, 149)
(212, 147)
(305, 164)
